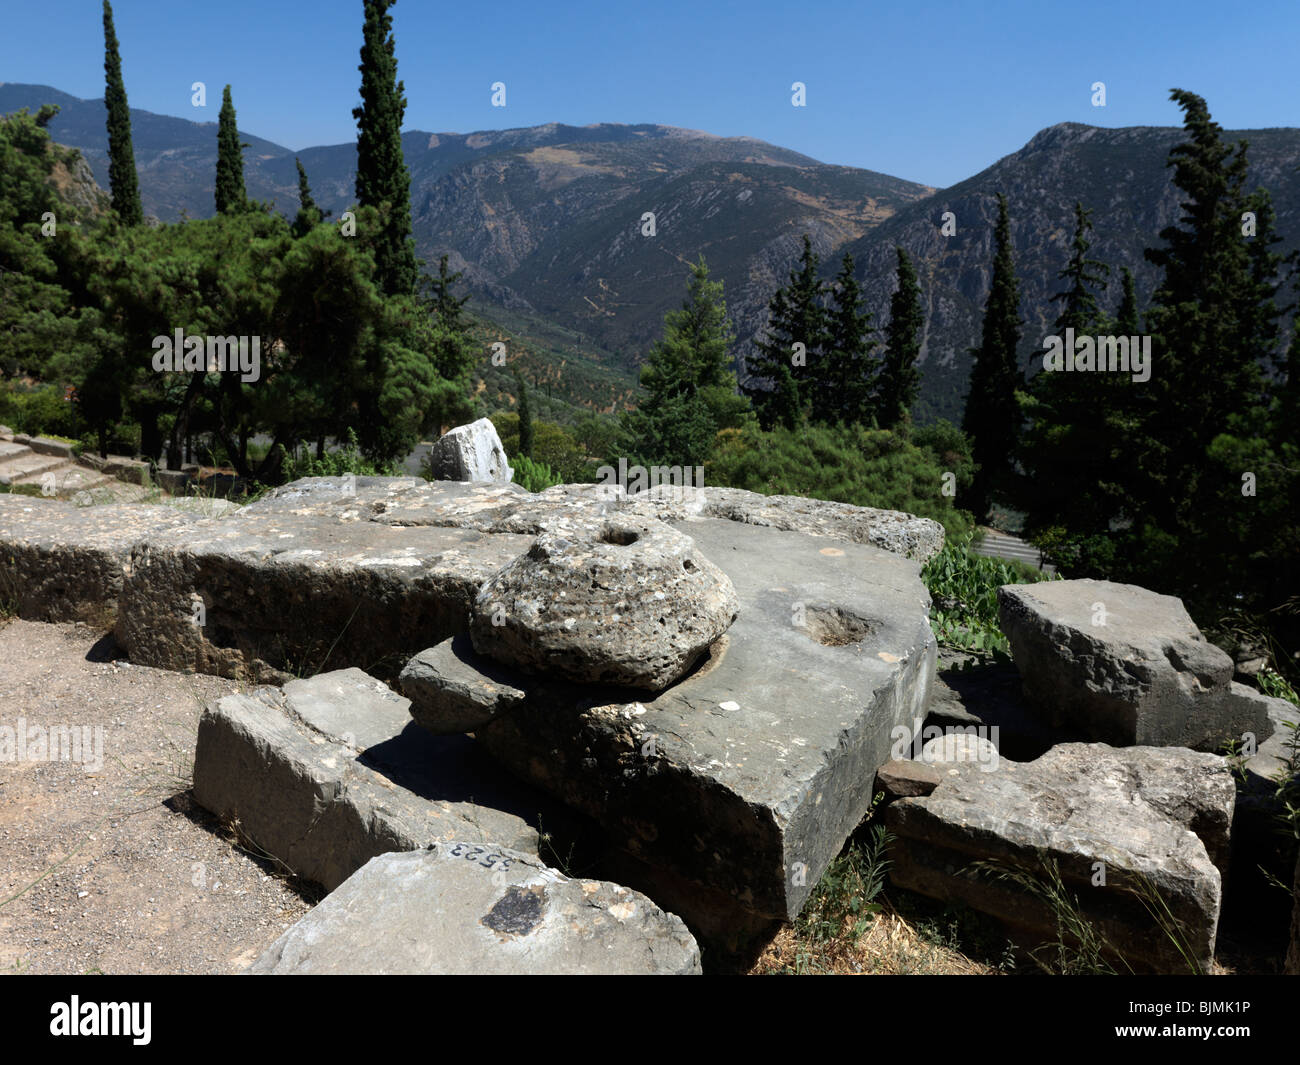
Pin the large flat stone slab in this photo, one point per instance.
(460, 908)
(509, 508)
(264, 594)
(327, 773)
(746, 777)
(61, 562)
(1142, 815)
(1124, 665)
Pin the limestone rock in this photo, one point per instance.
(1152, 815)
(461, 908)
(903, 778)
(1124, 665)
(470, 452)
(747, 776)
(264, 593)
(453, 689)
(61, 562)
(610, 600)
(329, 772)
(959, 746)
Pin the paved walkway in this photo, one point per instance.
(1004, 545)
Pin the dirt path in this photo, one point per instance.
(115, 871)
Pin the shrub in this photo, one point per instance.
(847, 464)
(532, 475)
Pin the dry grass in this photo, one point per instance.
(890, 946)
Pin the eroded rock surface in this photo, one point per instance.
(605, 600)
(1153, 819)
(458, 907)
(1124, 665)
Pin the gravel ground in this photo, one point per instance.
(117, 871)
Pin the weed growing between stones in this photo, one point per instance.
(964, 589)
(1081, 949)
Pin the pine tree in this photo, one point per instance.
(1072, 442)
(230, 194)
(842, 393)
(309, 215)
(900, 381)
(991, 415)
(382, 175)
(689, 381)
(1080, 310)
(1212, 318)
(795, 317)
(525, 418)
(122, 176)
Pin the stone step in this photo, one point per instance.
(19, 469)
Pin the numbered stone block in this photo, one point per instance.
(324, 774)
(462, 908)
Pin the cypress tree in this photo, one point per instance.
(122, 176)
(1071, 449)
(843, 389)
(795, 316)
(525, 418)
(230, 194)
(1080, 310)
(900, 380)
(991, 417)
(382, 176)
(309, 215)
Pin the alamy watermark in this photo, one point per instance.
(83, 744)
(1110, 353)
(195, 354)
(682, 482)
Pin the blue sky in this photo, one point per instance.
(932, 92)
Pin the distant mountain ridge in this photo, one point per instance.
(546, 221)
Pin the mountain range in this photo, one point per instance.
(547, 222)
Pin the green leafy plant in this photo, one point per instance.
(964, 592)
(532, 475)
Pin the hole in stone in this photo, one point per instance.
(618, 537)
(836, 627)
(688, 565)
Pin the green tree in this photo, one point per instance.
(309, 215)
(1074, 437)
(1080, 310)
(780, 376)
(991, 416)
(230, 194)
(689, 381)
(122, 176)
(842, 388)
(899, 382)
(383, 180)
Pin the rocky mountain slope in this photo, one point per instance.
(546, 222)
